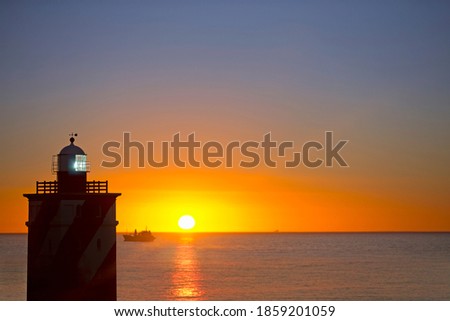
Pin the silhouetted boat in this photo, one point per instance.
(143, 236)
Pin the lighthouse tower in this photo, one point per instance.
(71, 234)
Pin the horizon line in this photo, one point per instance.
(265, 232)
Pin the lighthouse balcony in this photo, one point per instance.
(51, 187)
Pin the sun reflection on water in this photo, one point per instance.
(186, 277)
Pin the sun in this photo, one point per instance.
(186, 222)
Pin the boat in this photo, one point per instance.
(143, 236)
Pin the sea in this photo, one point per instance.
(265, 266)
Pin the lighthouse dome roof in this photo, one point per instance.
(72, 149)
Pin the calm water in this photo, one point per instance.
(383, 266)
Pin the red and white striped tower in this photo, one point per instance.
(71, 234)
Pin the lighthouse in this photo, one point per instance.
(71, 233)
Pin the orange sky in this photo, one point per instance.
(231, 200)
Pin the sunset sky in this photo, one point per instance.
(375, 73)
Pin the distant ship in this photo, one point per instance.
(143, 236)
